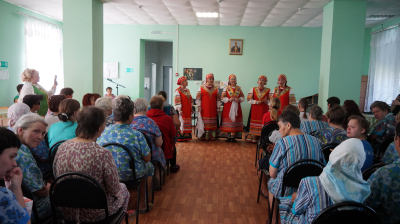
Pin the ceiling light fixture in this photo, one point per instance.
(219, 1)
(207, 14)
(379, 17)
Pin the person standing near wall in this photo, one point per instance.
(183, 103)
(283, 92)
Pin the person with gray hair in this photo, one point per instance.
(30, 129)
(149, 128)
(105, 103)
(315, 122)
(122, 133)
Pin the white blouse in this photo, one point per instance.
(27, 89)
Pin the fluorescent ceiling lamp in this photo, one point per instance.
(207, 14)
(379, 17)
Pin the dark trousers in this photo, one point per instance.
(172, 161)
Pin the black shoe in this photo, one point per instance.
(228, 140)
(233, 140)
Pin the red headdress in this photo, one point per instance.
(210, 75)
(263, 77)
(180, 80)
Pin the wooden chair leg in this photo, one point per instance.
(259, 187)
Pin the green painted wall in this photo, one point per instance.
(12, 47)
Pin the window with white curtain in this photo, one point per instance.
(384, 67)
(44, 52)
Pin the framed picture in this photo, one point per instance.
(235, 46)
(193, 73)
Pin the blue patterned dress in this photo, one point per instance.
(134, 140)
(391, 154)
(289, 150)
(33, 179)
(311, 126)
(110, 120)
(148, 127)
(384, 129)
(331, 135)
(385, 192)
(10, 211)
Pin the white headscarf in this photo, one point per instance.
(16, 111)
(342, 178)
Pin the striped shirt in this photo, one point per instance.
(311, 126)
(289, 150)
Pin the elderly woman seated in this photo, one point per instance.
(30, 129)
(82, 154)
(105, 103)
(314, 122)
(167, 127)
(385, 128)
(335, 132)
(54, 103)
(148, 127)
(337, 183)
(122, 133)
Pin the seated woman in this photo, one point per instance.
(314, 122)
(337, 183)
(292, 108)
(303, 106)
(54, 103)
(65, 129)
(12, 200)
(88, 100)
(30, 129)
(170, 110)
(273, 114)
(351, 109)
(82, 154)
(334, 133)
(358, 128)
(167, 128)
(390, 155)
(384, 129)
(105, 103)
(385, 188)
(123, 134)
(148, 127)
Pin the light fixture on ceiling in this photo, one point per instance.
(379, 17)
(219, 1)
(139, 6)
(207, 14)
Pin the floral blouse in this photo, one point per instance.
(10, 210)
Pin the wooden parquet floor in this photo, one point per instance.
(217, 183)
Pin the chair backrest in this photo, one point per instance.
(267, 130)
(326, 149)
(354, 213)
(28, 194)
(52, 154)
(132, 158)
(368, 172)
(77, 190)
(299, 170)
(382, 148)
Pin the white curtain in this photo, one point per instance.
(384, 68)
(44, 52)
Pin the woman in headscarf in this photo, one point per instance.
(209, 102)
(232, 118)
(340, 181)
(258, 97)
(283, 92)
(183, 103)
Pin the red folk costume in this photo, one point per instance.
(183, 103)
(209, 100)
(285, 94)
(258, 110)
(231, 126)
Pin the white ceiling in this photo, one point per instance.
(266, 13)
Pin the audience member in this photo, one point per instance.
(65, 129)
(385, 188)
(19, 87)
(385, 128)
(13, 209)
(88, 100)
(33, 101)
(122, 133)
(30, 129)
(337, 183)
(332, 101)
(67, 92)
(303, 106)
(314, 122)
(16, 111)
(292, 108)
(167, 128)
(351, 109)
(334, 133)
(82, 154)
(109, 93)
(54, 103)
(105, 103)
(390, 155)
(273, 114)
(358, 127)
(170, 110)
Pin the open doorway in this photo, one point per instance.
(158, 57)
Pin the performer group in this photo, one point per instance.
(208, 101)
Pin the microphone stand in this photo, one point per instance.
(117, 85)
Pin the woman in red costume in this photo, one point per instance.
(258, 97)
(283, 92)
(209, 101)
(232, 118)
(183, 103)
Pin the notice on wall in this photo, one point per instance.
(110, 70)
(4, 75)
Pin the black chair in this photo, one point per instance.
(77, 190)
(326, 149)
(293, 175)
(266, 131)
(354, 213)
(149, 144)
(135, 183)
(368, 172)
(46, 139)
(52, 154)
(382, 149)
